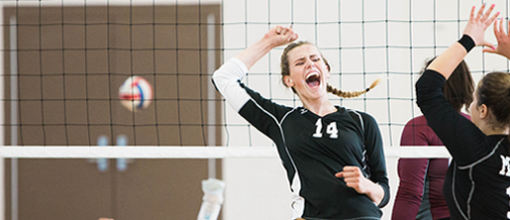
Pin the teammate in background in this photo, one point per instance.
(478, 178)
(415, 173)
(333, 156)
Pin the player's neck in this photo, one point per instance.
(320, 107)
(489, 129)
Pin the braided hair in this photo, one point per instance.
(285, 70)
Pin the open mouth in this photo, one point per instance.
(313, 80)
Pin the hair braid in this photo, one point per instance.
(351, 94)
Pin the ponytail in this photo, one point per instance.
(351, 94)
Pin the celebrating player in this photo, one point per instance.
(333, 155)
(478, 178)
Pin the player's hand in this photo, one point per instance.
(503, 47)
(279, 36)
(354, 178)
(478, 23)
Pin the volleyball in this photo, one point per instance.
(135, 93)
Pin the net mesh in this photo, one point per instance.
(64, 61)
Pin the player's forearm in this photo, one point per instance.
(375, 193)
(254, 52)
(448, 60)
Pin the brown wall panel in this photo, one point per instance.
(69, 73)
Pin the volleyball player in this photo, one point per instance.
(478, 178)
(333, 156)
(424, 177)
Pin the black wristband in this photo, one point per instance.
(467, 42)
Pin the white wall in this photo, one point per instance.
(257, 188)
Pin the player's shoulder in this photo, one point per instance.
(351, 110)
(419, 125)
(366, 117)
(359, 112)
(466, 115)
(418, 120)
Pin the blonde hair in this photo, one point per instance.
(285, 70)
(351, 94)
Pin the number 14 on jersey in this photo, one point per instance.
(331, 130)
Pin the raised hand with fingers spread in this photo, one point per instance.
(478, 23)
(473, 36)
(503, 38)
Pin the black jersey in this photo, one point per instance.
(477, 182)
(313, 149)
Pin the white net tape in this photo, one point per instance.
(189, 152)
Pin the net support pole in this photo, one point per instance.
(14, 116)
(2, 121)
(211, 92)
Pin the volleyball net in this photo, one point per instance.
(63, 64)
(65, 60)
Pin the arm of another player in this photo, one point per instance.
(503, 38)
(447, 61)
(447, 123)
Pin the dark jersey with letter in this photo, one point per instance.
(477, 182)
(313, 149)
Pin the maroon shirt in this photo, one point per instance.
(412, 173)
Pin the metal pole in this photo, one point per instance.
(14, 117)
(211, 110)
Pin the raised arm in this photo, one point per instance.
(275, 37)
(503, 38)
(461, 137)
(473, 36)
(227, 76)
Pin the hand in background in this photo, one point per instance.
(503, 47)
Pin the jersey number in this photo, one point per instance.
(330, 129)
